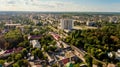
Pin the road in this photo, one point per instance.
(79, 53)
(58, 31)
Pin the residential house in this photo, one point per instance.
(35, 44)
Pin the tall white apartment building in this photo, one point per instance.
(66, 24)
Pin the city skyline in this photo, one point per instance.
(61, 5)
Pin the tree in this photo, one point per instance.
(40, 54)
(118, 64)
(6, 45)
(37, 53)
(88, 60)
(76, 65)
(21, 63)
(13, 56)
(33, 53)
(97, 63)
(45, 48)
(53, 42)
(52, 48)
(24, 52)
(16, 65)
(14, 37)
(9, 59)
(2, 42)
(55, 65)
(25, 63)
(18, 57)
(2, 62)
(93, 51)
(24, 44)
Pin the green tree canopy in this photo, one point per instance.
(14, 37)
(2, 62)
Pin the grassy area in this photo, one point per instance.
(84, 27)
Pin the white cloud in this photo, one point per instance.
(51, 5)
(37, 5)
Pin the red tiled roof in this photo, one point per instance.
(55, 36)
(64, 61)
(35, 37)
(9, 51)
(15, 50)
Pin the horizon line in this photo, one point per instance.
(67, 11)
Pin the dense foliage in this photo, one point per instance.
(97, 42)
(13, 38)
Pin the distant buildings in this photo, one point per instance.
(66, 24)
(12, 24)
(8, 26)
(113, 19)
(35, 22)
(90, 23)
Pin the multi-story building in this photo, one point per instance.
(8, 26)
(66, 24)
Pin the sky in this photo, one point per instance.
(61, 5)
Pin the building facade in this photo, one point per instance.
(66, 24)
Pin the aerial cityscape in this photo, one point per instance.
(59, 33)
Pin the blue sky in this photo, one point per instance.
(61, 5)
